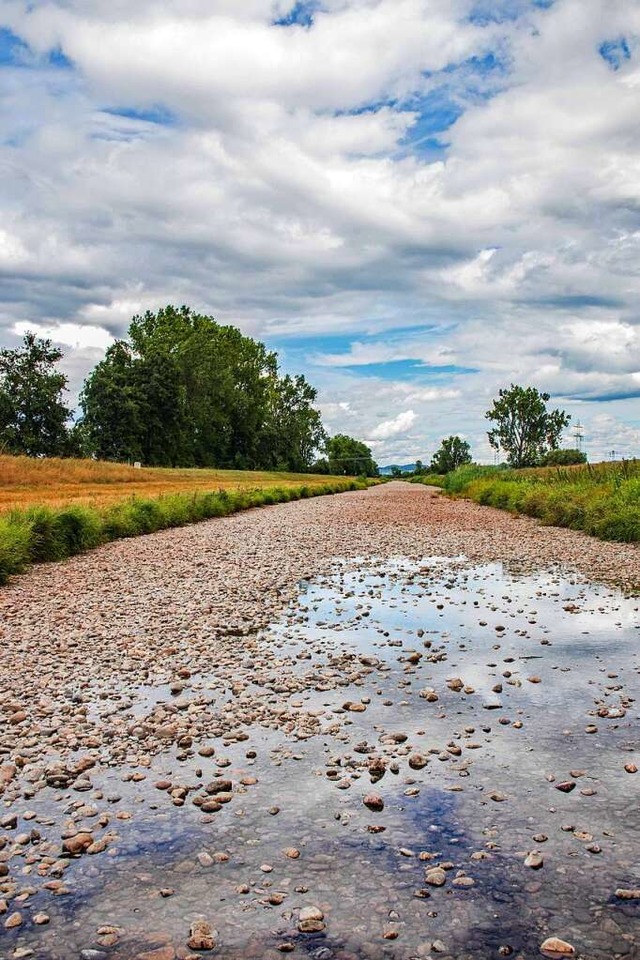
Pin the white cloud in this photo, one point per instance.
(393, 428)
(286, 194)
(68, 334)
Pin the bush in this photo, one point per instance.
(15, 545)
(457, 481)
(563, 458)
(80, 529)
(47, 542)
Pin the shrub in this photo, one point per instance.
(563, 458)
(15, 545)
(457, 481)
(80, 529)
(47, 542)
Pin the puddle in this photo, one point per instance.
(476, 692)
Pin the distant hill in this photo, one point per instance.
(405, 468)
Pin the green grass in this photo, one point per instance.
(602, 499)
(429, 479)
(41, 533)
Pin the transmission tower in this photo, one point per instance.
(579, 436)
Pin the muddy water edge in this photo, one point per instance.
(420, 756)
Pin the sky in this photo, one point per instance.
(415, 202)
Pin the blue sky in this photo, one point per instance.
(416, 202)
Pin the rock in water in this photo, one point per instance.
(202, 937)
(436, 877)
(373, 802)
(310, 920)
(534, 860)
(557, 949)
(623, 893)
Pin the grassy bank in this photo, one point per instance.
(26, 481)
(39, 533)
(600, 499)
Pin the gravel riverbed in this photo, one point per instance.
(183, 714)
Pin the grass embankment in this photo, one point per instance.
(68, 517)
(25, 481)
(601, 499)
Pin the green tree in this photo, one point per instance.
(184, 390)
(524, 428)
(349, 456)
(453, 453)
(159, 397)
(293, 430)
(110, 401)
(33, 415)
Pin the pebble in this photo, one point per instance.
(534, 860)
(201, 936)
(557, 949)
(311, 920)
(436, 877)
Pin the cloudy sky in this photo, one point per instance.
(416, 202)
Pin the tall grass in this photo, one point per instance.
(601, 499)
(429, 479)
(43, 533)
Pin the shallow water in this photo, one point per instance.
(488, 789)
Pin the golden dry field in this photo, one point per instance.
(25, 481)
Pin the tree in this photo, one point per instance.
(185, 391)
(293, 430)
(349, 456)
(33, 415)
(525, 429)
(453, 452)
(110, 401)
(563, 458)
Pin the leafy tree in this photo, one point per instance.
(33, 415)
(563, 458)
(525, 429)
(184, 390)
(349, 456)
(293, 430)
(110, 401)
(419, 468)
(453, 453)
(160, 401)
(320, 466)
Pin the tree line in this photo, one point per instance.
(524, 430)
(179, 390)
(182, 390)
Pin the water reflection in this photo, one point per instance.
(532, 680)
